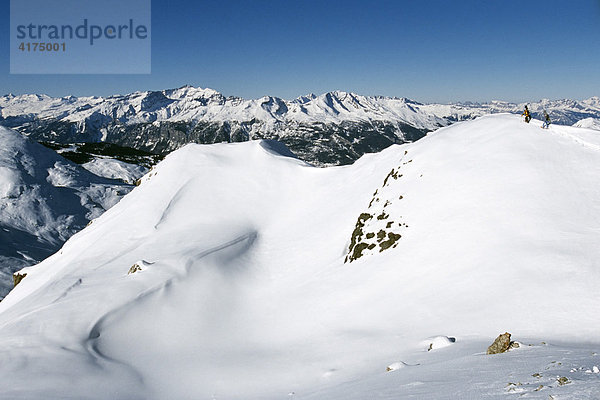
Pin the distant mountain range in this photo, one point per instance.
(331, 129)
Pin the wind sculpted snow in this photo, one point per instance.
(242, 290)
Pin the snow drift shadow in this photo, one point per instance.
(218, 262)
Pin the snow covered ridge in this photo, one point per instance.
(223, 276)
(589, 123)
(330, 129)
(44, 200)
(196, 104)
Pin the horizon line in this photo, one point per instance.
(300, 96)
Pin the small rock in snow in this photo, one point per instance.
(563, 380)
(438, 342)
(139, 266)
(396, 366)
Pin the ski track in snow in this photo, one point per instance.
(577, 139)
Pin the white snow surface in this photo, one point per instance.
(116, 169)
(244, 292)
(44, 199)
(589, 123)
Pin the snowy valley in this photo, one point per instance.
(237, 271)
(44, 200)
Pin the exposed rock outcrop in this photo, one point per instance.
(502, 344)
(17, 278)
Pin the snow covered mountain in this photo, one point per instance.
(330, 129)
(108, 160)
(44, 200)
(226, 274)
(589, 123)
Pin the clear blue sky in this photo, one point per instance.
(428, 50)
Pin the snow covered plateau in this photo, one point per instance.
(236, 271)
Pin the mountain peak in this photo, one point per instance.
(191, 92)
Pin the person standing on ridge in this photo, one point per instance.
(527, 114)
(546, 120)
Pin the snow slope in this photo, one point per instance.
(241, 289)
(115, 169)
(44, 199)
(589, 123)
